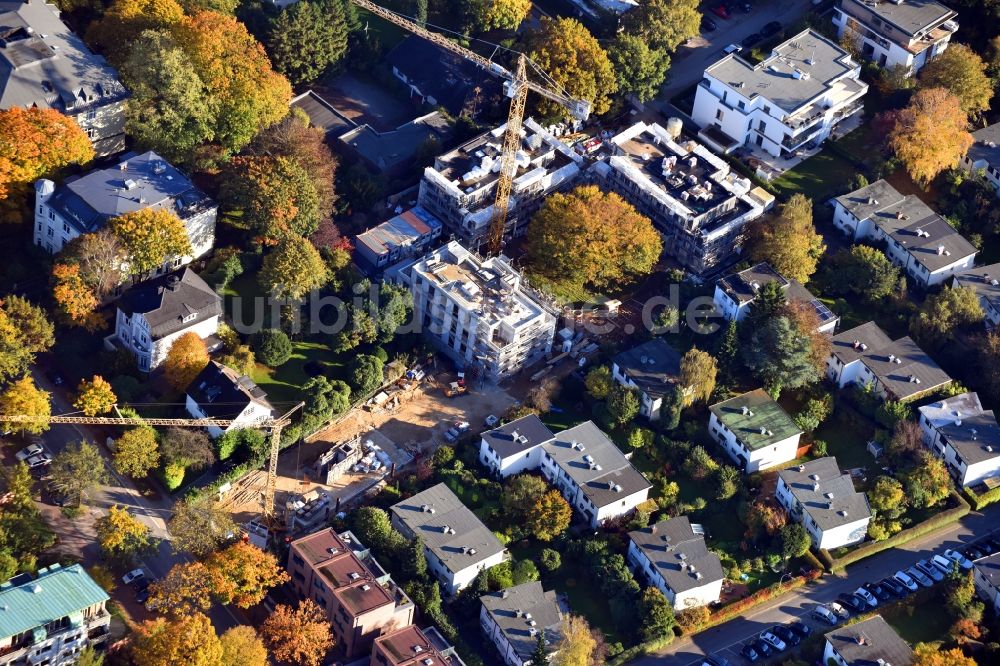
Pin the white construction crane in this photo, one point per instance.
(516, 87)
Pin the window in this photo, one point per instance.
(50, 233)
(762, 127)
(190, 317)
(767, 109)
(719, 114)
(741, 105)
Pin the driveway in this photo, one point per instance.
(726, 639)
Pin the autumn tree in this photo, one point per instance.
(697, 378)
(788, 240)
(550, 516)
(99, 257)
(122, 536)
(186, 357)
(76, 302)
(37, 143)
(664, 24)
(23, 397)
(565, 49)
(293, 269)
(960, 71)
(308, 37)
(301, 636)
(930, 135)
(186, 447)
(199, 526)
(95, 396)
(623, 405)
(244, 574)
(576, 646)
(186, 589)
(24, 332)
(763, 518)
(188, 639)
(136, 452)
(639, 68)
(944, 313)
(502, 14)
(275, 195)
(591, 238)
(77, 469)
(241, 646)
(599, 382)
(521, 494)
(150, 237)
(931, 654)
(927, 483)
(125, 20)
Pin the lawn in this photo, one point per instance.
(919, 622)
(284, 383)
(846, 434)
(819, 177)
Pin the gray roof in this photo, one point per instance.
(678, 554)
(602, 472)
(985, 280)
(518, 436)
(223, 393)
(825, 493)
(466, 541)
(911, 16)
(654, 366)
(990, 568)
(386, 151)
(975, 438)
(43, 64)
(322, 114)
(166, 301)
(774, 77)
(136, 183)
(866, 201)
(849, 345)
(868, 641)
(987, 145)
(742, 287)
(904, 368)
(948, 410)
(523, 609)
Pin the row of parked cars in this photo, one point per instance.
(775, 640)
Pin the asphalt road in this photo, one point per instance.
(726, 639)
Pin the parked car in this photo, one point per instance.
(930, 571)
(750, 653)
(854, 602)
(897, 589)
(839, 610)
(974, 552)
(451, 434)
(133, 575)
(708, 25)
(715, 660)
(142, 596)
(789, 637)
(944, 564)
(905, 580)
(732, 48)
(772, 28)
(29, 451)
(869, 598)
(764, 648)
(491, 421)
(801, 628)
(919, 576)
(880, 593)
(824, 614)
(55, 377)
(771, 639)
(751, 40)
(958, 558)
(40, 460)
(720, 11)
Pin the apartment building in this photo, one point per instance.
(151, 316)
(46, 66)
(219, 392)
(479, 311)
(84, 205)
(736, 292)
(754, 431)
(916, 239)
(51, 618)
(653, 369)
(408, 234)
(984, 155)
(896, 33)
(985, 281)
(821, 498)
(359, 597)
(697, 204)
(460, 188)
(986, 577)
(792, 99)
(672, 556)
(896, 369)
(514, 447)
(965, 436)
(457, 544)
(411, 646)
(512, 619)
(866, 643)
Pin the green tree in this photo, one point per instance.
(136, 452)
(272, 347)
(699, 464)
(795, 541)
(788, 240)
(697, 378)
(551, 559)
(413, 561)
(540, 653)
(373, 527)
(521, 493)
(944, 313)
(960, 71)
(928, 483)
(574, 59)
(727, 480)
(866, 272)
(502, 14)
(657, 615)
(664, 24)
(729, 349)
(24, 332)
(325, 398)
(293, 269)
(550, 516)
(122, 536)
(199, 526)
(77, 469)
(186, 447)
(814, 412)
(639, 68)
(22, 397)
(150, 237)
(623, 405)
(670, 408)
(780, 355)
(366, 373)
(395, 304)
(307, 38)
(599, 382)
(524, 571)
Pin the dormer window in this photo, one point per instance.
(191, 317)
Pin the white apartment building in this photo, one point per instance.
(866, 643)
(460, 188)
(698, 205)
(653, 368)
(821, 498)
(793, 98)
(219, 392)
(85, 204)
(456, 543)
(153, 314)
(965, 436)
(672, 556)
(916, 239)
(754, 431)
(514, 447)
(512, 620)
(984, 155)
(891, 33)
(985, 280)
(736, 292)
(479, 311)
(986, 577)
(51, 618)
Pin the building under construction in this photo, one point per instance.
(461, 186)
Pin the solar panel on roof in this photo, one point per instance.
(823, 312)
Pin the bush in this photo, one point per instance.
(983, 499)
(819, 448)
(173, 476)
(381, 354)
(126, 387)
(551, 559)
(272, 347)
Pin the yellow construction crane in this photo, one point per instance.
(273, 425)
(516, 87)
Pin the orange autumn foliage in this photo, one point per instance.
(36, 142)
(75, 301)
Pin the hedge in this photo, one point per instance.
(983, 499)
(871, 548)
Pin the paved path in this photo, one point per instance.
(726, 639)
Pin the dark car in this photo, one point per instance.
(142, 596)
(55, 496)
(786, 634)
(720, 11)
(772, 28)
(880, 592)
(973, 552)
(140, 584)
(738, 6)
(750, 653)
(764, 649)
(893, 586)
(751, 40)
(801, 628)
(716, 660)
(55, 377)
(854, 602)
(708, 25)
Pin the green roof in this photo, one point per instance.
(55, 593)
(756, 419)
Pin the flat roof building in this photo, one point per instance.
(754, 431)
(673, 557)
(965, 436)
(653, 368)
(822, 499)
(984, 155)
(408, 234)
(513, 619)
(986, 577)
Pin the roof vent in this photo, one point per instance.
(417, 649)
(36, 588)
(843, 513)
(332, 551)
(940, 249)
(828, 495)
(366, 587)
(472, 551)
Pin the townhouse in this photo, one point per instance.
(792, 99)
(653, 368)
(412, 646)
(985, 281)
(514, 618)
(222, 393)
(984, 155)
(915, 238)
(514, 447)
(817, 495)
(963, 434)
(871, 641)
(672, 556)
(736, 292)
(986, 577)
(410, 233)
(754, 431)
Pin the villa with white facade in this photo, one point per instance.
(672, 556)
(963, 434)
(754, 431)
(817, 495)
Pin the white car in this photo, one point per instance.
(956, 556)
(29, 451)
(840, 611)
(867, 596)
(903, 579)
(824, 614)
(40, 460)
(773, 640)
(132, 576)
(943, 563)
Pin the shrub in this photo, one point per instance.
(272, 347)
(551, 559)
(173, 476)
(819, 448)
